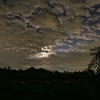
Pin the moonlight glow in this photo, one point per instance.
(42, 55)
(45, 53)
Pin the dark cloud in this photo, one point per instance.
(31, 31)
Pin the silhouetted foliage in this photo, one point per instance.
(36, 84)
(40, 74)
(95, 62)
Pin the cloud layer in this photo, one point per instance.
(48, 33)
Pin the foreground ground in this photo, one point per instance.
(36, 84)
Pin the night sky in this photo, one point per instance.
(50, 34)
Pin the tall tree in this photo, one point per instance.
(95, 62)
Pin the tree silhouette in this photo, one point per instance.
(95, 62)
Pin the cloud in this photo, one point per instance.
(69, 61)
(7, 58)
(70, 27)
(92, 2)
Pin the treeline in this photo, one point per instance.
(42, 74)
(32, 83)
